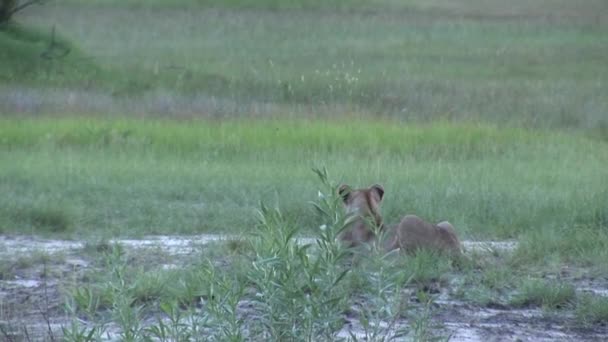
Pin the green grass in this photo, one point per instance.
(592, 310)
(530, 63)
(267, 284)
(273, 286)
(548, 295)
(291, 291)
(585, 244)
(54, 220)
(40, 57)
(180, 117)
(142, 177)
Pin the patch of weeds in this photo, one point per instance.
(76, 332)
(422, 325)
(7, 270)
(24, 262)
(298, 295)
(189, 286)
(55, 220)
(358, 281)
(378, 281)
(149, 258)
(150, 286)
(84, 300)
(37, 261)
(426, 267)
(468, 285)
(238, 246)
(226, 251)
(50, 218)
(98, 252)
(592, 310)
(481, 296)
(271, 288)
(223, 297)
(483, 282)
(99, 246)
(170, 324)
(113, 292)
(497, 277)
(37, 258)
(125, 311)
(579, 244)
(301, 292)
(535, 292)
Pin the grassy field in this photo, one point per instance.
(182, 117)
(127, 177)
(536, 64)
(485, 178)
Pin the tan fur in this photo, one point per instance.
(364, 206)
(410, 235)
(413, 233)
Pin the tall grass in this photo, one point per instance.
(533, 64)
(440, 140)
(144, 177)
(277, 290)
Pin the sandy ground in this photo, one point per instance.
(33, 299)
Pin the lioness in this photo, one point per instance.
(364, 204)
(411, 234)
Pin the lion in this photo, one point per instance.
(413, 233)
(410, 235)
(364, 207)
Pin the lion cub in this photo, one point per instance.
(411, 234)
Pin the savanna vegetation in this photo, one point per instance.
(130, 118)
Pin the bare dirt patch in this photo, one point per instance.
(36, 271)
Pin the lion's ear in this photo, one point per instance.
(379, 190)
(344, 192)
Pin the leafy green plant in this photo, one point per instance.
(78, 333)
(220, 308)
(173, 326)
(298, 288)
(422, 325)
